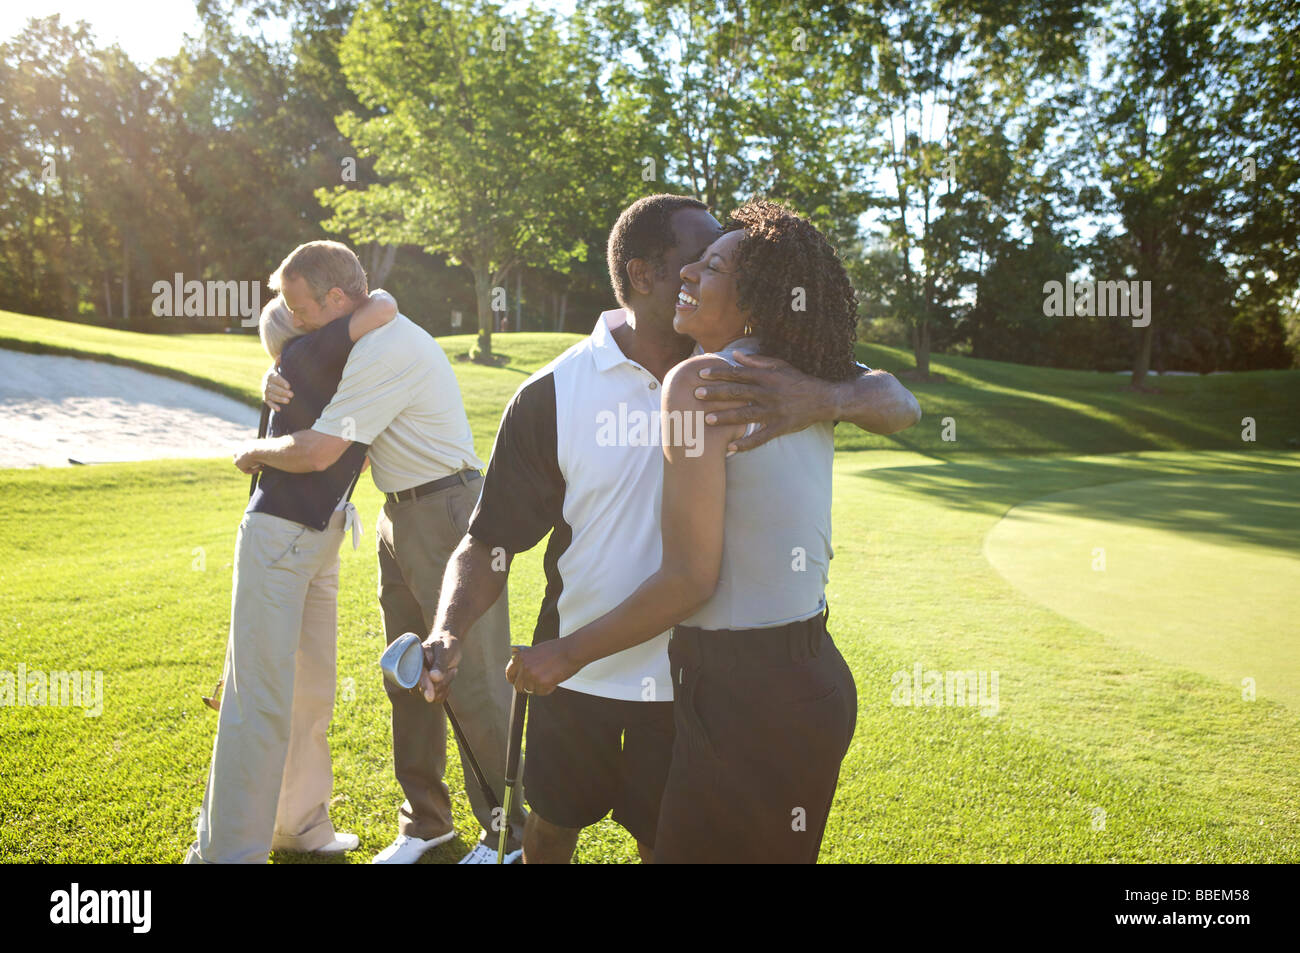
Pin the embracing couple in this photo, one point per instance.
(682, 672)
(355, 380)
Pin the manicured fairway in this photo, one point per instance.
(1202, 571)
(1098, 752)
(102, 570)
(1101, 747)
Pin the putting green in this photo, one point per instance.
(1202, 572)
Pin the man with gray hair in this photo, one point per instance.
(399, 395)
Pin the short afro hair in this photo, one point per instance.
(644, 230)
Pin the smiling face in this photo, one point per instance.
(693, 229)
(708, 306)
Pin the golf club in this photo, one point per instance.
(518, 712)
(213, 701)
(262, 424)
(403, 663)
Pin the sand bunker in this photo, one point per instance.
(54, 410)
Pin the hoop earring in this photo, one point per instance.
(749, 332)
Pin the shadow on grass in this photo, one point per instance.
(1219, 496)
(306, 857)
(1009, 408)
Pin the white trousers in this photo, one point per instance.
(271, 777)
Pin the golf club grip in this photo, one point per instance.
(261, 432)
(488, 794)
(518, 712)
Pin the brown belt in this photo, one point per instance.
(463, 477)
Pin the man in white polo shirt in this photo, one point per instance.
(578, 456)
(398, 394)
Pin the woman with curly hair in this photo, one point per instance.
(764, 705)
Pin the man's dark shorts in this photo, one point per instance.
(588, 755)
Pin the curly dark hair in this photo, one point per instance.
(644, 230)
(783, 260)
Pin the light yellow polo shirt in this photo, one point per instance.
(399, 395)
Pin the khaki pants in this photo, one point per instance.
(416, 539)
(270, 781)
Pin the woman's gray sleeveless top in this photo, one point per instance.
(776, 546)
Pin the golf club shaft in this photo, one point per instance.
(261, 432)
(479, 779)
(518, 712)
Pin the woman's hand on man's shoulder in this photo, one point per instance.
(379, 310)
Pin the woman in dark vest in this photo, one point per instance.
(271, 778)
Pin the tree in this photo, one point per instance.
(255, 130)
(1161, 162)
(944, 170)
(486, 131)
(93, 204)
(1260, 125)
(737, 100)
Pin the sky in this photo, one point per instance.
(145, 29)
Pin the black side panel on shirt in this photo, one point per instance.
(523, 491)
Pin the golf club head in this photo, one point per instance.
(403, 661)
(213, 701)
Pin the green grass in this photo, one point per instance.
(1186, 569)
(1015, 409)
(1184, 768)
(230, 363)
(994, 407)
(1101, 750)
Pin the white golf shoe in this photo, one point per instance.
(341, 844)
(407, 850)
(483, 854)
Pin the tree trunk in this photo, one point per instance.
(1142, 362)
(126, 282)
(381, 263)
(519, 299)
(1146, 239)
(1147, 259)
(108, 297)
(921, 348)
(69, 304)
(564, 300)
(483, 298)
